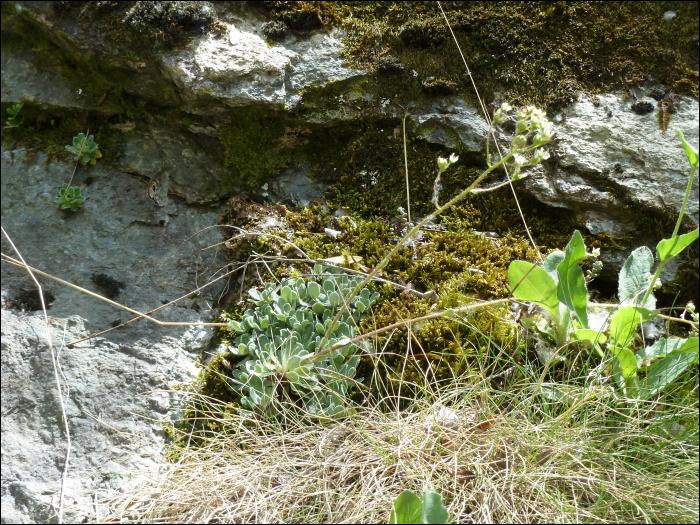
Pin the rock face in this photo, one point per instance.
(159, 113)
(114, 386)
(609, 156)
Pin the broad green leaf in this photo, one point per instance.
(255, 294)
(665, 371)
(314, 289)
(286, 293)
(572, 285)
(433, 510)
(669, 248)
(537, 287)
(318, 308)
(234, 325)
(666, 346)
(408, 508)
(626, 360)
(551, 262)
(625, 321)
(334, 298)
(586, 334)
(635, 278)
(690, 151)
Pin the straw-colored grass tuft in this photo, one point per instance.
(589, 463)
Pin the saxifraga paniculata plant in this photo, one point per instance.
(282, 335)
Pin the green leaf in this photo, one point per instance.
(572, 285)
(286, 293)
(666, 346)
(318, 308)
(551, 262)
(665, 371)
(334, 298)
(538, 287)
(314, 289)
(301, 288)
(626, 360)
(690, 151)
(586, 334)
(669, 248)
(625, 321)
(635, 279)
(408, 508)
(328, 285)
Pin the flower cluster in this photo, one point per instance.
(532, 131)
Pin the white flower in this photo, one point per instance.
(453, 158)
(540, 155)
(519, 159)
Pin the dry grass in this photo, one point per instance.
(591, 462)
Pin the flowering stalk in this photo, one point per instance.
(530, 121)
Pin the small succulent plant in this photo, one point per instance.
(13, 111)
(69, 197)
(283, 334)
(85, 149)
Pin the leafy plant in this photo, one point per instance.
(408, 508)
(283, 337)
(13, 111)
(85, 149)
(559, 288)
(69, 197)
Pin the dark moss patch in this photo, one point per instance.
(111, 287)
(275, 29)
(169, 22)
(31, 300)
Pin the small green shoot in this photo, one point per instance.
(85, 149)
(13, 112)
(69, 197)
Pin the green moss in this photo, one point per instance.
(538, 53)
(211, 403)
(252, 137)
(50, 132)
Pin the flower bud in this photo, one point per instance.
(519, 141)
